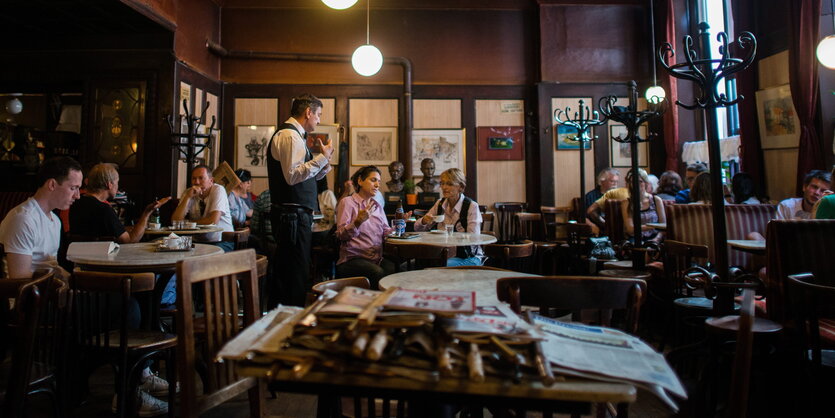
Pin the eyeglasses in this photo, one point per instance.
(448, 183)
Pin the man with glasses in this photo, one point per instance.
(690, 174)
(206, 203)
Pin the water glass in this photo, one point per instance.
(395, 230)
(449, 228)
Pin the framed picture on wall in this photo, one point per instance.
(445, 146)
(501, 143)
(325, 133)
(251, 148)
(564, 138)
(779, 124)
(622, 152)
(373, 145)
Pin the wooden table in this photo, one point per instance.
(141, 257)
(201, 230)
(441, 239)
(483, 282)
(753, 246)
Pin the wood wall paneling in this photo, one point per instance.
(500, 181)
(567, 162)
(374, 112)
(252, 112)
(437, 114)
(780, 173)
(197, 21)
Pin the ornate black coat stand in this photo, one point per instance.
(707, 73)
(186, 142)
(582, 124)
(632, 119)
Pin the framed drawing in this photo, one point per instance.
(501, 143)
(621, 152)
(445, 146)
(373, 145)
(779, 124)
(325, 133)
(564, 138)
(251, 148)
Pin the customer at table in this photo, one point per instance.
(607, 179)
(239, 210)
(700, 191)
(361, 227)
(261, 225)
(206, 204)
(293, 170)
(690, 174)
(743, 190)
(594, 214)
(31, 232)
(459, 211)
(652, 210)
(825, 208)
(669, 185)
(92, 216)
(815, 184)
(327, 207)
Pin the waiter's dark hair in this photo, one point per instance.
(57, 168)
(302, 102)
(363, 174)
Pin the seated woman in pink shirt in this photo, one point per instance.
(361, 227)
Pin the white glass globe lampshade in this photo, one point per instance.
(339, 4)
(14, 106)
(367, 60)
(826, 52)
(655, 94)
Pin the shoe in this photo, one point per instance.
(149, 406)
(156, 386)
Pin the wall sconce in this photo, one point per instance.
(826, 48)
(14, 105)
(339, 4)
(367, 59)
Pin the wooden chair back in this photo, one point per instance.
(553, 221)
(239, 237)
(677, 257)
(262, 265)
(506, 227)
(576, 293)
(793, 247)
(812, 302)
(35, 331)
(430, 255)
(487, 223)
(576, 208)
(338, 284)
(615, 226)
(218, 279)
(529, 226)
(510, 255)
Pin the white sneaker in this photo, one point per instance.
(148, 405)
(156, 386)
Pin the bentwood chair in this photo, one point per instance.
(218, 279)
(544, 254)
(813, 305)
(506, 227)
(238, 237)
(102, 321)
(419, 254)
(513, 256)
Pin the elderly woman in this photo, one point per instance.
(361, 227)
(652, 210)
(459, 211)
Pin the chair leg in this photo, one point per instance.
(257, 396)
(171, 375)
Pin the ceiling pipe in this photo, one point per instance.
(404, 63)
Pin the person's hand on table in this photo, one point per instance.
(156, 204)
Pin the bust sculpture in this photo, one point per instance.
(395, 185)
(428, 183)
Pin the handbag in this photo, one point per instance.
(600, 248)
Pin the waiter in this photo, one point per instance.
(293, 170)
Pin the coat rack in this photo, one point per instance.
(582, 124)
(707, 73)
(186, 143)
(632, 119)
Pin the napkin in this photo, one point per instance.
(91, 248)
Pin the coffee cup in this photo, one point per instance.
(172, 243)
(190, 225)
(153, 225)
(439, 218)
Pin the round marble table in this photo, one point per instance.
(483, 282)
(456, 239)
(141, 257)
(753, 246)
(167, 230)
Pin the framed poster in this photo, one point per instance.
(779, 124)
(325, 133)
(251, 148)
(501, 143)
(622, 152)
(373, 145)
(564, 138)
(445, 146)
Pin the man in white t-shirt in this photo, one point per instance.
(207, 204)
(31, 232)
(814, 185)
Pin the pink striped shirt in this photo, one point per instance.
(365, 241)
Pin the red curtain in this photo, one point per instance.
(670, 84)
(751, 157)
(803, 78)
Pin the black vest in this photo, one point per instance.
(461, 252)
(303, 193)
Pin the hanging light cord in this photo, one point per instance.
(368, 23)
(652, 34)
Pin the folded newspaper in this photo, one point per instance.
(608, 353)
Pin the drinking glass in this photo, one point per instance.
(394, 231)
(449, 228)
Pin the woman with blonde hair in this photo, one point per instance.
(652, 210)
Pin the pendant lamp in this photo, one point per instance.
(826, 48)
(367, 59)
(339, 4)
(655, 94)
